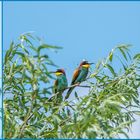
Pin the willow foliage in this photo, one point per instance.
(107, 110)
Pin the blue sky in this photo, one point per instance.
(86, 30)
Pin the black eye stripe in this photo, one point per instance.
(85, 62)
(61, 71)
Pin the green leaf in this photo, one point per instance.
(111, 56)
(45, 46)
(19, 53)
(137, 56)
(111, 69)
(123, 53)
(8, 53)
(76, 95)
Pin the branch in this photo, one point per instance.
(25, 122)
(75, 85)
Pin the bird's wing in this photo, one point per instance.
(75, 75)
(74, 78)
(55, 86)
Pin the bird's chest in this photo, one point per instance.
(62, 82)
(82, 76)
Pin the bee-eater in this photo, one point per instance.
(79, 75)
(60, 83)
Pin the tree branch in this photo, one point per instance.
(75, 85)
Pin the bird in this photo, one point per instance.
(60, 83)
(79, 75)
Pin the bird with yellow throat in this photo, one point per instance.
(60, 84)
(79, 75)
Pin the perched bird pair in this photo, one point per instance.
(79, 76)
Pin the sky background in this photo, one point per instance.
(85, 30)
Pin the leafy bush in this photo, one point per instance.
(106, 111)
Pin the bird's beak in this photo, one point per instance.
(56, 73)
(52, 72)
(91, 63)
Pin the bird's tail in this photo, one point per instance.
(69, 92)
